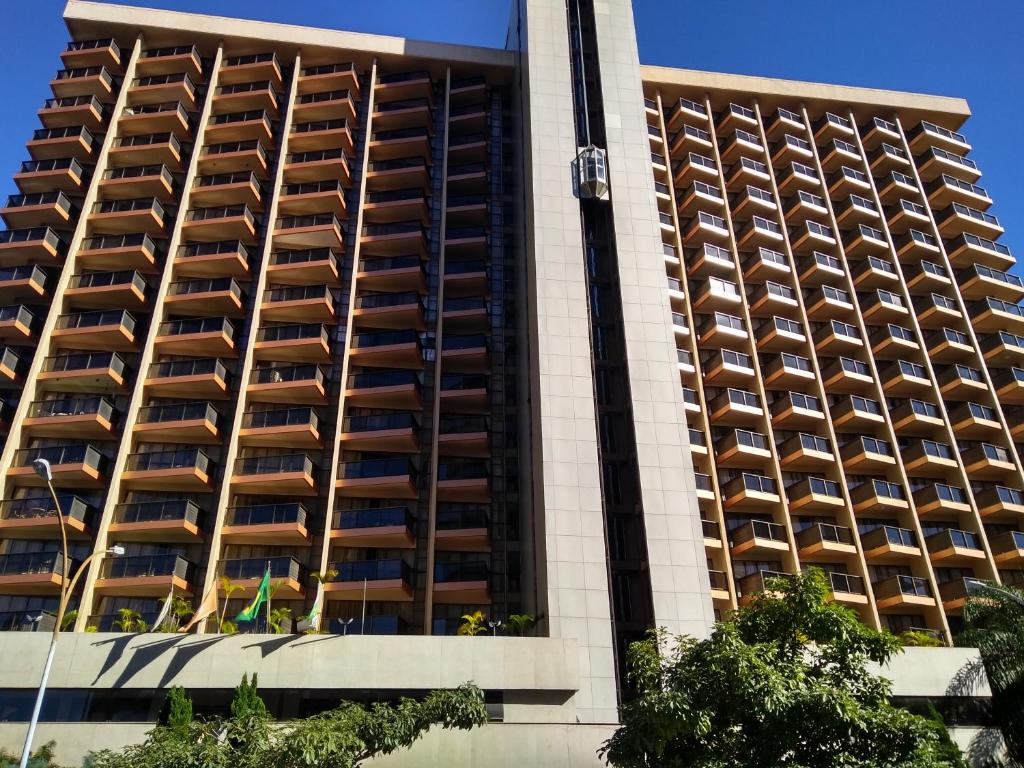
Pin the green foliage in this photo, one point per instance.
(914, 639)
(68, 620)
(181, 611)
(41, 758)
(473, 624)
(518, 623)
(945, 749)
(344, 737)
(130, 621)
(177, 712)
(277, 619)
(228, 627)
(994, 620)
(783, 684)
(246, 701)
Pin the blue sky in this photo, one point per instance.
(963, 49)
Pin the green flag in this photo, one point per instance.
(262, 595)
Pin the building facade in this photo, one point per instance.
(337, 306)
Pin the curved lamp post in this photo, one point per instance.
(42, 468)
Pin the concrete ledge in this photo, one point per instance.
(936, 672)
(115, 660)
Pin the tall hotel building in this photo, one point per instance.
(347, 307)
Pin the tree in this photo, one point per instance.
(994, 621)
(177, 709)
(228, 587)
(473, 624)
(518, 623)
(130, 621)
(277, 619)
(343, 737)
(41, 758)
(782, 684)
(181, 609)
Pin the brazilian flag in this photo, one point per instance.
(262, 595)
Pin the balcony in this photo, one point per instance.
(377, 478)
(916, 417)
(750, 491)
(160, 119)
(923, 458)
(302, 343)
(779, 334)
(243, 97)
(460, 583)
(286, 572)
(297, 427)
(462, 528)
(275, 474)
(321, 135)
(42, 176)
(400, 142)
(391, 432)
(161, 89)
(35, 517)
(1008, 548)
(765, 264)
(83, 372)
(121, 217)
(288, 384)
(94, 81)
(376, 580)
(72, 464)
(847, 588)
(193, 377)
(761, 581)
(17, 323)
(154, 182)
(463, 480)
(465, 277)
(205, 296)
(726, 367)
(796, 410)
(879, 495)
(742, 448)
(463, 435)
(107, 330)
(315, 197)
(163, 521)
(890, 544)
(60, 143)
(322, 230)
(997, 502)
(985, 461)
(954, 547)
(992, 315)
(396, 205)
(823, 540)
(32, 573)
(324, 105)
(867, 454)
(397, 174)
(41, 245)
(806, 452)
(959, 218)
(74, 417)
(465, 313)
(224, 189)
(207, 336)
(190, 422)
(814, 494)
(252, 126)
(37, 210)
(934, 162)
(903, 592)
(234, 157)
(185, 470)
(316, 265)
(72, 112)
(465, 353)
(402, 112)
(389, 310)
(144, 576)
(384, 389)
(118, 253)
(146, 149)
(11, 366)
(244, 69)
(972, 420)
(388, 349)
(317, 165)
(758, 538)
(328, 76)
(979, 282)
(312, 303)
(892, 342)
(161, 61)
(230, 222)
(954, 593)
(947, 189)
(904, 377)
(23, 282)
(379, 527)
(967, 250)
(267, 524)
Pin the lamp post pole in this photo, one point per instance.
(42, 468)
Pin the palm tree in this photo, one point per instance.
(130, 621)
(994, 617)
(228, 587)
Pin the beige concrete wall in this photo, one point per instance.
(675, 542)
(572, 572)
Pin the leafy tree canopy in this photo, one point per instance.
(782, 684)
(340, 738)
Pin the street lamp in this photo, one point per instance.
(975, 586)
(42, 468)
(494, 624)
(344, 625)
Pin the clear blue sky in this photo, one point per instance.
(963, 49)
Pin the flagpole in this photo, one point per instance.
(362, 623)
(268, 596)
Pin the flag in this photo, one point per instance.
(262, 595)
(207, 607)
(316, 612)
(165, 611)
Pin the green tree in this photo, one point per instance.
(344, 737)
(181, 610)
(518, 623)
(41, 758)
(277, 619)
(783, 684)
(473, 624)
(177, 709)
(994, 621)
(130, 621)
